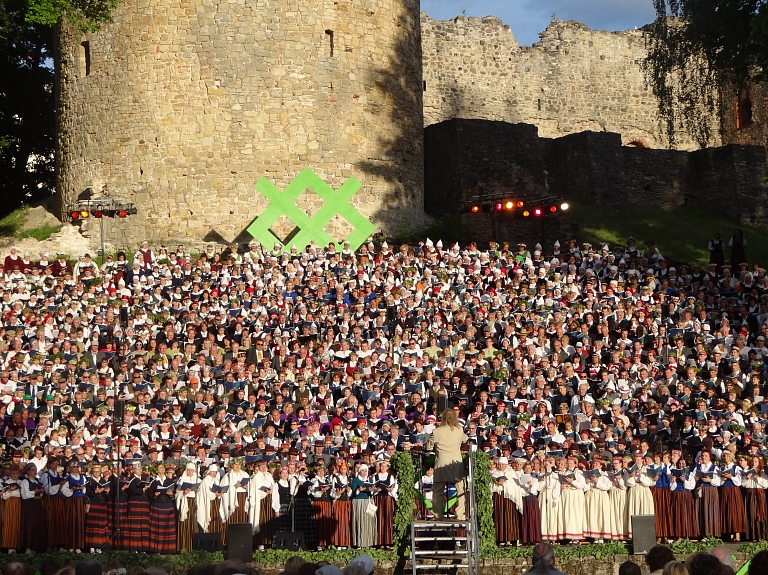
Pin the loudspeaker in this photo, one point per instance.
(643, 533)
(240, 542)
(442, 404)
(665, 310)
(209, 542)
(292, 541)
(123, 316)
(119, 410)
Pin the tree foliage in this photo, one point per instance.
(27, 115)
(702, 53)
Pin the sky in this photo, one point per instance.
(528, 18)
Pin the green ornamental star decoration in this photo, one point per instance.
(335, 202)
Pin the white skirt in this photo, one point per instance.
(619, 516)
(598, 504)
(639, 502)
(548, 515)
(572, 519)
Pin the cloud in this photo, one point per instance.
(528, 18)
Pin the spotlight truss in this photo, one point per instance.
(517, 206)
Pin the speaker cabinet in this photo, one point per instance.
(240, 542)
(209, 542)
(119, 410)
(124, 316)
(643, 533)
(292, 541)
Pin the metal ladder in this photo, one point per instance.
(464, 553)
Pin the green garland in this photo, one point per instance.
(405, 471)
(484, 500)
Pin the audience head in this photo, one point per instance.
(723, 556)
(704, 564)
(89, 567)
(365, 561)
(759, 564)
(16, 568)
(629, 568)
(658, 556)
(675, 568)
(293, 564)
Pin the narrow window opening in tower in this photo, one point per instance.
(743, 111)
(424, 86)
(85, 59)
(329, 33)
(538, 102)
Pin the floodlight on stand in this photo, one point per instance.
(564, 206)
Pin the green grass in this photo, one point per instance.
(40, 234)
(11, 224)
(681, 235)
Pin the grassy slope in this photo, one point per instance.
(681, 235)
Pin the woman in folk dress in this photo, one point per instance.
(363, 519)
(186, 506)
(598, 504)
(685, 523)
(618, 497)
(639, 498)
(549, 499)
(573, 512)
(755, 483)
(733, 515)
(210, 512)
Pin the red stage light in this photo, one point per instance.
(473, 209)
(537, 212)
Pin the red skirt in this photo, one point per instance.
(507, 519)
(530, 532)
(136, 534)
(97, 523)
(57, 521)
(733, 516)
(385, 519)
(239, 515)
(685, 522)
(75, 513)
(322, 509)
(663, 511)
(216, 525)
(341, 519)
(33, 531)
(162, 527)
(757, 518)
(708, 512)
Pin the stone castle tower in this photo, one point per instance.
(180, 106)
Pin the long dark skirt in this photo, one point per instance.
(363, 524)
(283, 523)
(708, 512)
(530, 532)
(733, 516)
(662, 510)
(507, 519)
(136, 532)
(323, 521)
(12, 523)
(56, 506)
(97, 523)
(162, 527)
(75, 510)
(119, 512)
(187, 528)
(385, 519)
(304, 520)
(33, 534)
(685, 521)
(757, 518)
(341, 519)
(266, 523)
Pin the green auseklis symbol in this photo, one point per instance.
(335, 202)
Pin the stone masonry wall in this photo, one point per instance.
(182, 105)
(575, 79)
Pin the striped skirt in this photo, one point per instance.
(33, 531)
(757, 519)
(363, 525)
(266, 523)
(531, 524)
(708, 512)
(685, 522)
(162, 527)
(12, 523)
(75, 514)
(240, 514)
(57, 521)
(323, 521)
(385, 519)
(662, 511)
(216, 525)
(97, 524)
(341, 519)
(507, 519)
(187, 528)
(733, 516)
(120, 540)
(136, 530)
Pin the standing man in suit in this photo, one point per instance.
(446, 442)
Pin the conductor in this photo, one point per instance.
(446, 442)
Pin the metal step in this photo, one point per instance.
(438, 538)
(438, 553)
(438, 566)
